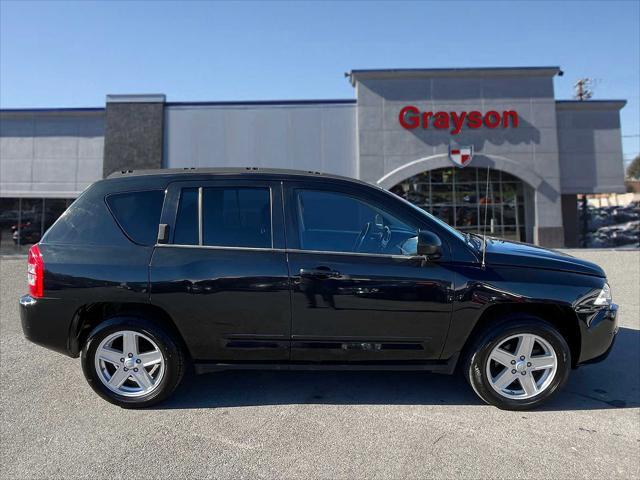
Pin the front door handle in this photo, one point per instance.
(320, 272)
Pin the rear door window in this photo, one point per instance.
(138, 214)
(236, 217)
(224, 217)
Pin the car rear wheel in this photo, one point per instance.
(518, 364)
(131, 362)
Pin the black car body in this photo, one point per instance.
(264, 269)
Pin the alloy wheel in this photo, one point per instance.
(129, 363)
(521, 366)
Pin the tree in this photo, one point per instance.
(633, 170)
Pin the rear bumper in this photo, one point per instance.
(46, 323)
(598, 334)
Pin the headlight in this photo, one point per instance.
(604, 298)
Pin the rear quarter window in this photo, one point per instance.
(138, 214)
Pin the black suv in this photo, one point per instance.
(149, 272)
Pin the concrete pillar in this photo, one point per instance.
(570, 220)
(548, 230)
(134, 133)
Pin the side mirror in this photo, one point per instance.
(429, 244)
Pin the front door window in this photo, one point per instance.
(337, 222)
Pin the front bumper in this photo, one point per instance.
(598, 331)
(46, 322)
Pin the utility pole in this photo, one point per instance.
(582, 89)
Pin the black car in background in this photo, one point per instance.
(148, 272)
(610, 227)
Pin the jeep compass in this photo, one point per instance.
(149, 273)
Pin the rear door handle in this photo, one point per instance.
(320, 272)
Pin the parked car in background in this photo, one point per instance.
(25, 233)
(611, 226)
(625, 234)
(251, 269)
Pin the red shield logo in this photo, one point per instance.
(461, 156)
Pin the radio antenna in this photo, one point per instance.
(484, 229)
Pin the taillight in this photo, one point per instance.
(35, 272)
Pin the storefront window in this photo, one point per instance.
(460, 198)
(9, 219)
(23, 221)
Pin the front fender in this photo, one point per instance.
(477, 290)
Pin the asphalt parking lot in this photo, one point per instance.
(319, 424)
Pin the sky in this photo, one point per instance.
(71, 54)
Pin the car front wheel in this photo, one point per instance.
(519, 364)
(131, 362)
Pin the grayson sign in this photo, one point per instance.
(411, 117)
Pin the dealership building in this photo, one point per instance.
(478, 147)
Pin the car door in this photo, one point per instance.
(359, 291)
(222, 275)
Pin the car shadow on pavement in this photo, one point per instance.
(613, 383)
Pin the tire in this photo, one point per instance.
(484, 372)
(105, 362)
